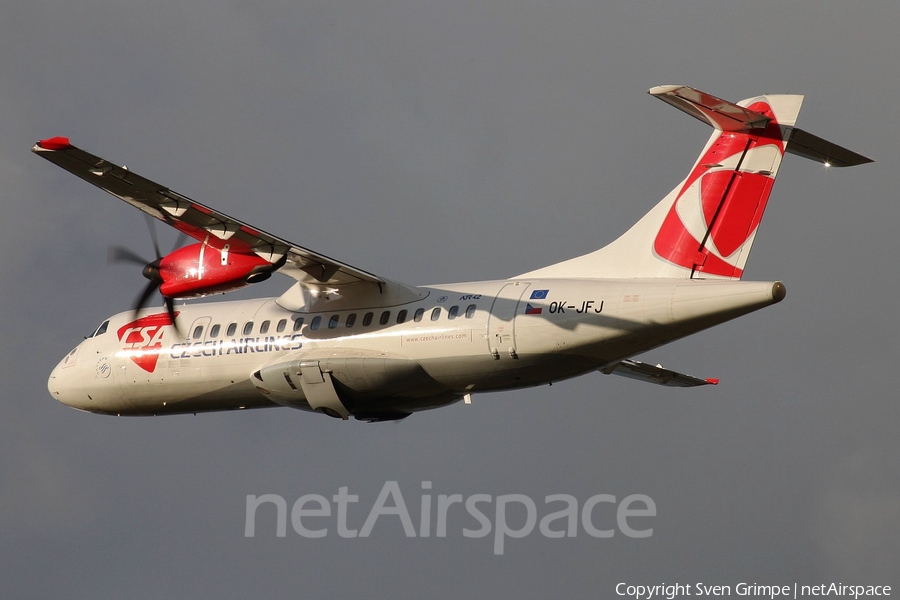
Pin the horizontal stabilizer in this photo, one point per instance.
(728, 116)
(721, 114)
(635, 369)
(815, 148)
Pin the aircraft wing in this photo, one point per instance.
(198, 221)
(635, 369)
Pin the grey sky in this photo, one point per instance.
(438, 142)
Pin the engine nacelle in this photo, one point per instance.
(199, 270)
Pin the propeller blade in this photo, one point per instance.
(122, 254)
(150, 270)
(151, 226)
(170, 308)
(145, 295)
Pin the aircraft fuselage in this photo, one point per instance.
(383, 362)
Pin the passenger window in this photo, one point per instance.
(451, 314)
(298, 323)
(367, 319)
(351, 320)
(214, 331)
(198, 332)
(418, 316)
(385, 317)
(436, 314)
(470, 311)
(248, 328)
(232, 327)
(315, 323)
(333, 321)
(401, 316)
(281, 325)
(264, 327)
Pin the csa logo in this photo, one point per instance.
(142, 339)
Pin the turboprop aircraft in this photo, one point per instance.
(345, 342)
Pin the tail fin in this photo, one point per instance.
(705, 227)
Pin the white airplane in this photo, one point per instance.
(342, 341)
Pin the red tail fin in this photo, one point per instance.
(705, 227)
(711, 224)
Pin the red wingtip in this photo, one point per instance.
(55, 143)
(713, 381)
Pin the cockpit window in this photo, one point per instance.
(100, 330)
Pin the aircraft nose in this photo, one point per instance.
(51, 384)
(64, 384)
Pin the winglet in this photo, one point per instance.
(54, 143)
